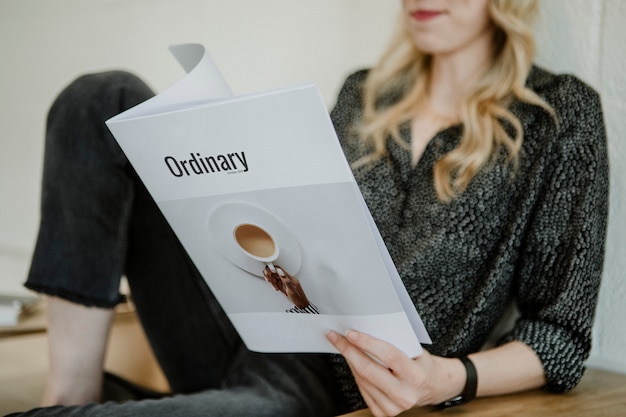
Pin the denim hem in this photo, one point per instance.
(74, 297)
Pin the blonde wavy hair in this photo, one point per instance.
(404, 69)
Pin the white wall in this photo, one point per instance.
(587, 38)
(259, 45)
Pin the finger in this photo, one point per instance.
(280, 285)
(288, 284)
(294, 289)
(281, 275)
(379, 403)
(284, 277)
(382, 401)
(376, 399)
(280, 271)
(277, 283)
(291, 283)
(269, 278)
(392, 357)
(384, 384)
(373, 406)
(362, 365)
(277, 279)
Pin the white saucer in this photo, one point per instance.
(222, 222)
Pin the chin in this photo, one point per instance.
(428, 44)
(428, 48)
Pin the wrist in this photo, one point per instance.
(470, 386)
(451, 382)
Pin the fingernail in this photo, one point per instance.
(272, 268)
(280, 272)
(332, 336)
(352, 335)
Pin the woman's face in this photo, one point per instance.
(441, 27)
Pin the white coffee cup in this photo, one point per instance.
(256, 243)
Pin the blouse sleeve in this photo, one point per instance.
(561, 261)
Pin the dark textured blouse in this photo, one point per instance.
(533, 236)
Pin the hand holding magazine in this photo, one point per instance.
(258, 192)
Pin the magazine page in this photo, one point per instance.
(259, 182)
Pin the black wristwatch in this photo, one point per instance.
(469, 391)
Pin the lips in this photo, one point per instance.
(425, 15)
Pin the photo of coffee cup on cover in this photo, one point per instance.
(250, 237)
(260, 246)
(257, 243)
(255, 240)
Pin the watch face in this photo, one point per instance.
(458, 400)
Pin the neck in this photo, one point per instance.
(453, 75)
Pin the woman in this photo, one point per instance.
(507, 201)
(486, 176)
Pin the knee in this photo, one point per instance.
(108, 92)
(107, 82)
(75, 129)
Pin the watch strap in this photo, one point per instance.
(471, 384)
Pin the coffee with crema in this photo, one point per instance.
(254, 240)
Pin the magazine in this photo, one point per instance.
(256, 183)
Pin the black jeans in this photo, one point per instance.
(98, 222)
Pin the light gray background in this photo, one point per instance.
(331, 266)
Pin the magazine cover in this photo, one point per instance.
(258, 191)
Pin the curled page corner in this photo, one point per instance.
(188, 54)
(203, 77)
(203, 82)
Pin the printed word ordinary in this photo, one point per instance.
(199, 165)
